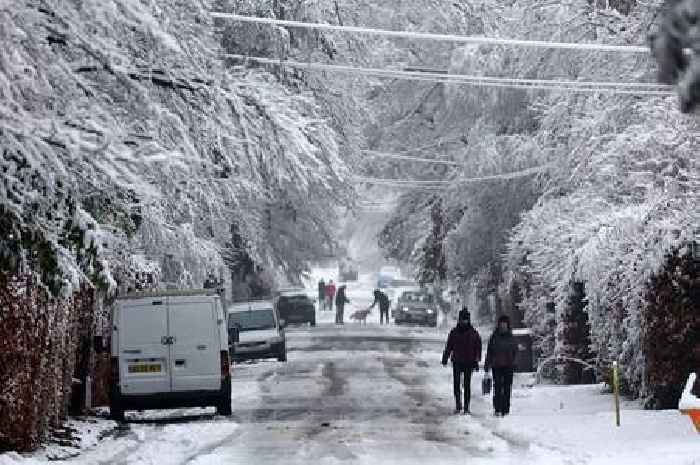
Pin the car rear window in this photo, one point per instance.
(417, 297)
(253, 320)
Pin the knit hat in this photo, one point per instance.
(504, 319)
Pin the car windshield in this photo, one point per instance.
(294, 299)
(252, 320)
(417, 297)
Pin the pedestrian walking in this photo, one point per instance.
(340, 301)
(464, 349)
(500, 358)
(330, 295)
(384, 304)
(321, 294)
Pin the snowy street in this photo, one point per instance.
(361, 395)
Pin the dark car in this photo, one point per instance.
(295, 307)
(416, 307)
(347, 271)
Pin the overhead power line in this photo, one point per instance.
(633, 88)
(431, 36)
(398, 156)
(440, 184)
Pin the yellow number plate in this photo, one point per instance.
(145, 368)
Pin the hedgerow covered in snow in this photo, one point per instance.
(125, 133)
(611, 210)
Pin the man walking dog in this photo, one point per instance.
(464, 349)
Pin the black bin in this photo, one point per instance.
(524, 358)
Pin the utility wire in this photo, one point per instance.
(431, 36)
(632, 88)
(438, 184)
(398, 156)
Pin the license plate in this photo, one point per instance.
(145, 368)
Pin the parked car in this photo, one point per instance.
(416, 306)
(386, 275)
(256, 331)
(169, 349)
(294, 306)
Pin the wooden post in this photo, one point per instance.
(616, 390)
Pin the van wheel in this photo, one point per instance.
(116, 412)
(224, 407)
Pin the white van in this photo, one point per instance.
(169, 349)
(256, 331)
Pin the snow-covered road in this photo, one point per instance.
(378, 395)
(346, 395)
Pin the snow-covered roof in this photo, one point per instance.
(252, 305)
(168, 293)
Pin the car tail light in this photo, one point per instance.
(114, 370)
(225, 364)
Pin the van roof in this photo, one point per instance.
(247, 306)
(168, 293)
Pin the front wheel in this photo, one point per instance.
(223, 407)
(116, 411)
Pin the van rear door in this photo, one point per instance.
(194, 328)
(143, 346)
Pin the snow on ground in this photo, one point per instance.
(379, 395)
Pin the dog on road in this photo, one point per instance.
(360, 316)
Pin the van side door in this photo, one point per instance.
(194, 332)
(144, 353)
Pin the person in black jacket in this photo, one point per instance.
(384, 304)
(500, 357)
(464, 349)
(322, 294)
(340, 301)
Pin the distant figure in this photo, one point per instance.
(340, 301)
(330, 294)
(500, 356)
(384, 304)
(464, 349)
(210, 282)
(322, 294)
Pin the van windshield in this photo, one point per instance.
(252, 320)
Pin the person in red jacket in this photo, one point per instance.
(464, 349)
(330, 294)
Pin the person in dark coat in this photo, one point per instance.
(464, 349)
(500, 357)
(322, 294)
(384, 304)
(340, 301)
